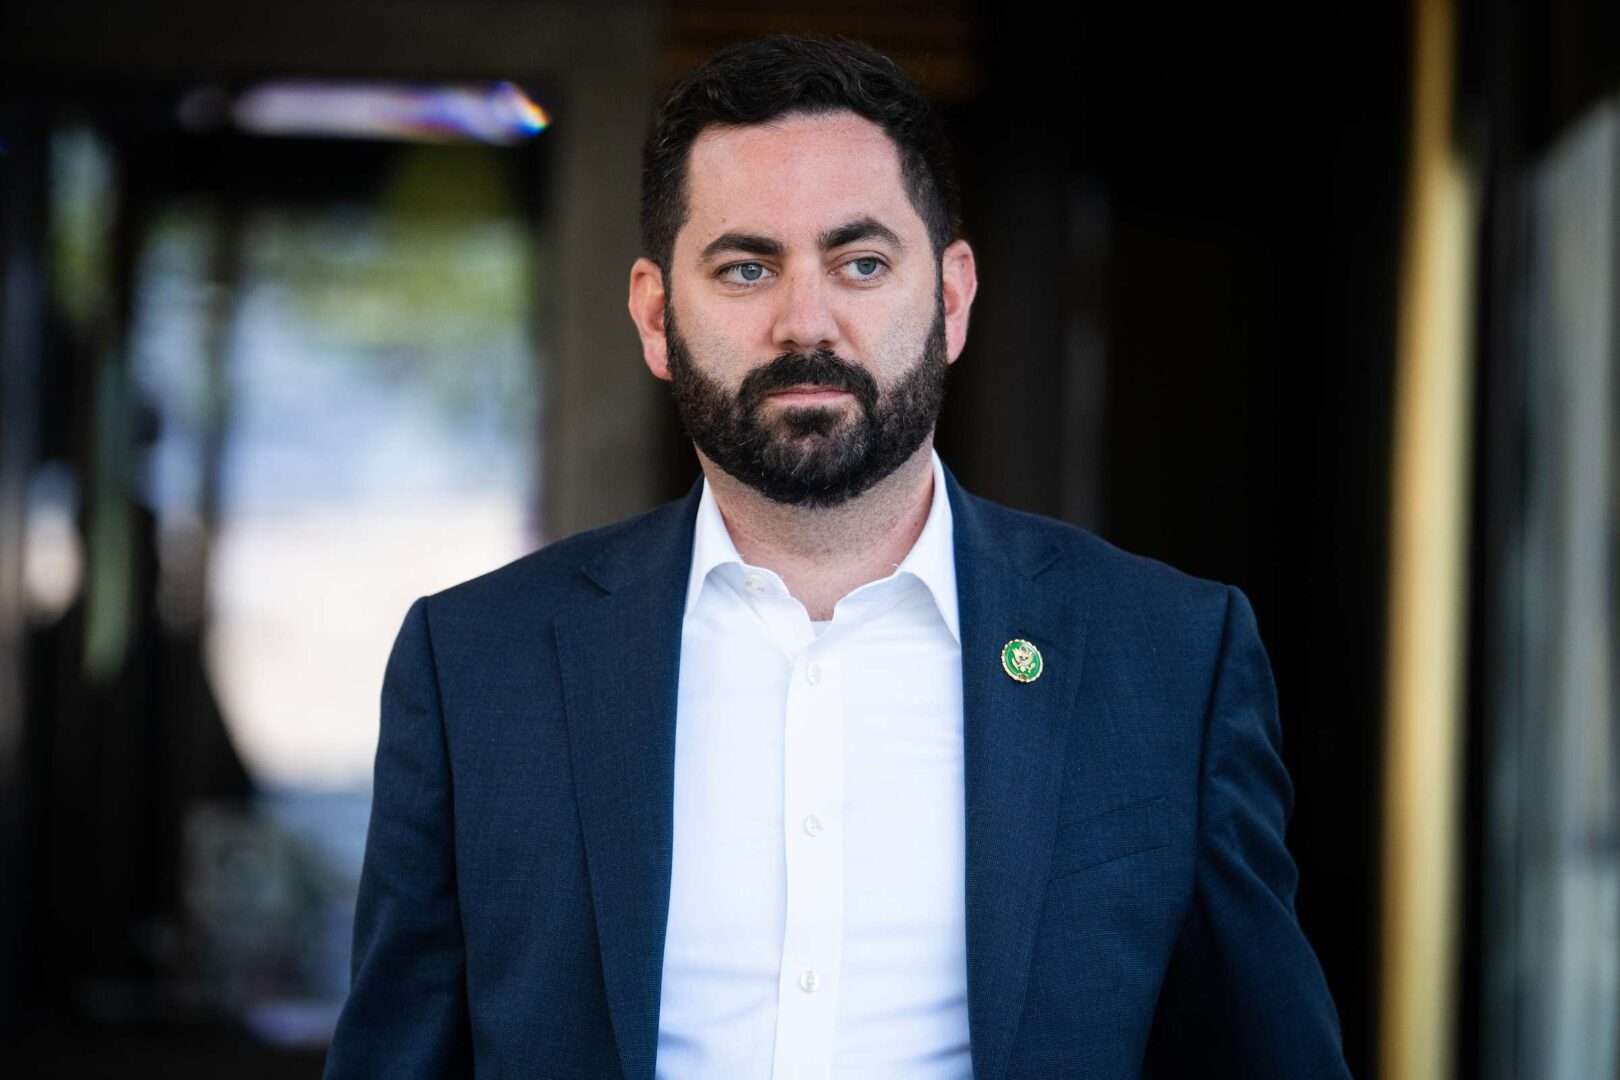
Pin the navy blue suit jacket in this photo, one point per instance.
(1129, 900)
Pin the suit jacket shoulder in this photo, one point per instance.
(515, 602)
(1181, 617)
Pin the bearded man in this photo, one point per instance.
(830, 769)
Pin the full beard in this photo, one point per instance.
(812, 457)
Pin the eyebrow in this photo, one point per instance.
(865, 228)
(746, 243)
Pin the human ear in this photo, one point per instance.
(648, 303)
(958, 283)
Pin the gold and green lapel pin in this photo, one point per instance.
(1021, 660)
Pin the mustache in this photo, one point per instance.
(822, 368)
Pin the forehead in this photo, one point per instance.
(795, 174)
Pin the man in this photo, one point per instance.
(829, 769)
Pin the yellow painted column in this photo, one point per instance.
(1427, 629)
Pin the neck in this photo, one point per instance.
(822, 554)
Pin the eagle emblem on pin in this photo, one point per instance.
(1022, 661)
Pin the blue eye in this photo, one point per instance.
(745, 273)
(864, 269)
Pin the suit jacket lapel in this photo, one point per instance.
(1013, 745)
(620, 662)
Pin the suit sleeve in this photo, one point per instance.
(1244, 995)
(406, 1015)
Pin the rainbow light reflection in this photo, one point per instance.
(491, 113)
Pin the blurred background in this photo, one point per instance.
(309, 309)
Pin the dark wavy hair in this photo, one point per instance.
(758, 81)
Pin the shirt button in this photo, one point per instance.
(755, 583)
(812, 826)
(812, 674)
(808, 981)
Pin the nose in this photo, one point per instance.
(805, 319)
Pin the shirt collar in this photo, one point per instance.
(931, 560)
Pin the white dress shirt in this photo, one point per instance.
(816, 913)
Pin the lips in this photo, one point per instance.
(809, 395)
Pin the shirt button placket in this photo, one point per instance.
(812, 945)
